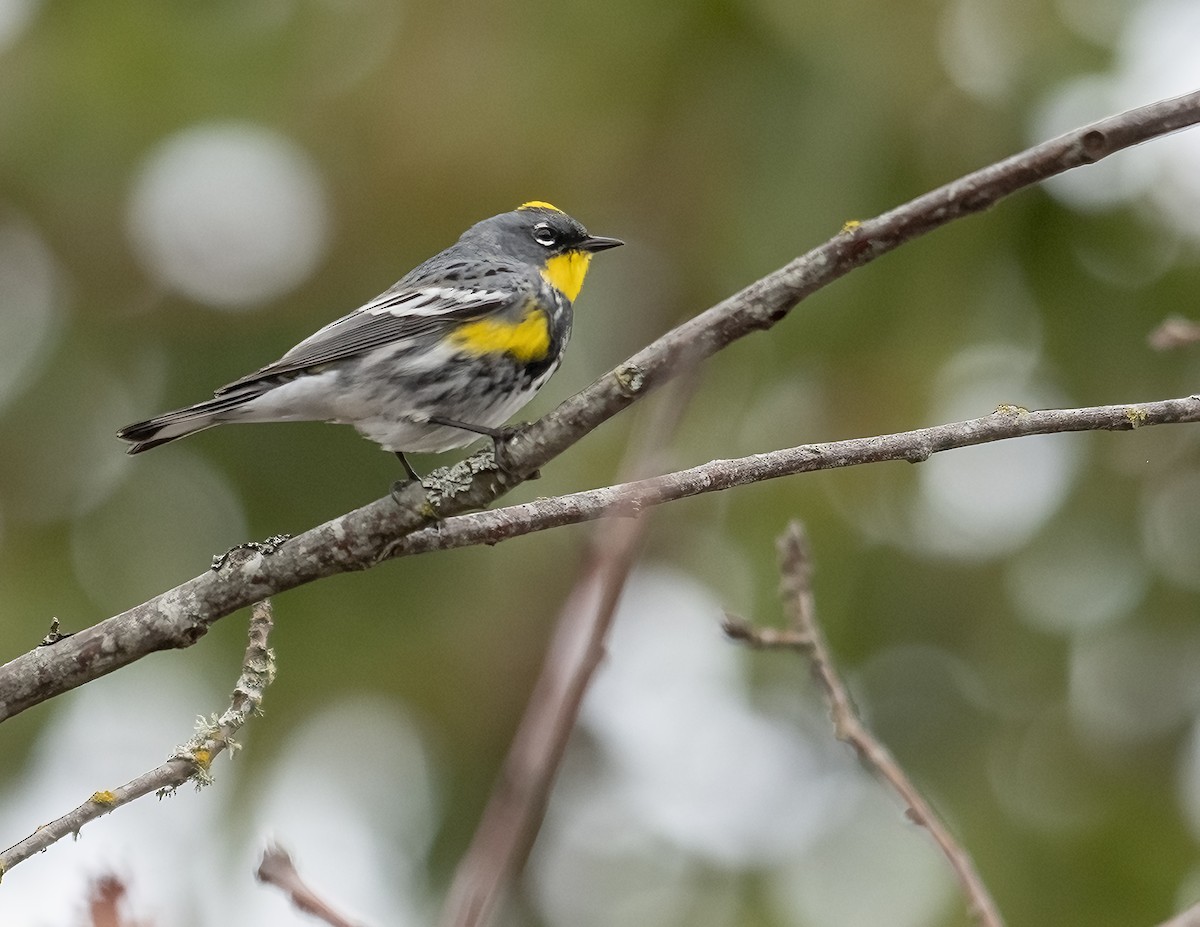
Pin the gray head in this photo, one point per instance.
(535, 233)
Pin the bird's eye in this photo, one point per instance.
(544, 235)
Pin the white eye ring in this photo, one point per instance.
(544, 235)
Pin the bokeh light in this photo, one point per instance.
(119, 555)
(367, 832)
(1077, 578)
(1171, 527)
(32, 292)
(1157, 55)
(980, 47)
(1129, 686)
(15, 17)
(693, 778)
(73, 465)
(984, 501)
(1033, 771)
(675, 741)
(875, 868)
(167, 882)
(230, 215)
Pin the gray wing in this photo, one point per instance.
(400, 313)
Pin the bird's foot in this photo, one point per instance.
(501, 448)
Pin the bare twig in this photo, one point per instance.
(192, 760)
(629, 499)
(517, 805)
(357, 540)
(805, 633)
(278, 869)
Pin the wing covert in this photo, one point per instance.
(397, 314)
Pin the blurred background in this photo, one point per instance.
(187, 190)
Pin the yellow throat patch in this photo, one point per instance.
(527, 340)
(565, 272)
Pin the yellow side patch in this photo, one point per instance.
(527, 340)
(539, 204)
(565, 272)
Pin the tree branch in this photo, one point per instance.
(178, 618)
(356, 541)
(804, 633)
(192, 760)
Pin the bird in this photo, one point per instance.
(449, 352)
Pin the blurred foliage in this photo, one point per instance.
(720, 139)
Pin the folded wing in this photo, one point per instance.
(399, 314)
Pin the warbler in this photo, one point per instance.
(450, 352)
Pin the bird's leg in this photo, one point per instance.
(408, 468)
(413, 477)
(500, 438)
(496, 434)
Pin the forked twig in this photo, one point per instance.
(192, 760)
(804, 633)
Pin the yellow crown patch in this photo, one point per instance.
(538, 204)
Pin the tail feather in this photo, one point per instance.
(171, 426)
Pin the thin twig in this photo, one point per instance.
(278, 869)
(517, 805)
(629, 499)
(804, 633)
(357, 540)
(191, 761)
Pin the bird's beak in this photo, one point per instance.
(594, 243)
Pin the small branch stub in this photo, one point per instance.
(278, 869)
